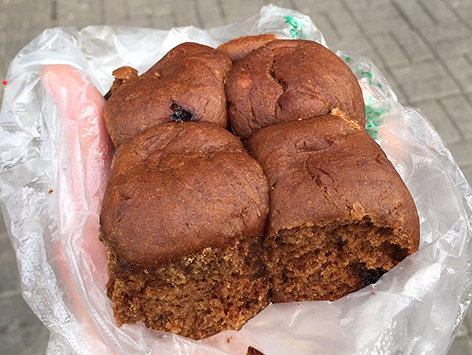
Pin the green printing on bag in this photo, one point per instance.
(296, 27)
(372, 115)
(364, 74)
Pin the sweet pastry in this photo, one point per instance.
(183, 219)
(340, 215)
(194, 247)
(289, 80)
(185, 85)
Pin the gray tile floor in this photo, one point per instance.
(429, 41)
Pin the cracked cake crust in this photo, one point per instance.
(290, 80)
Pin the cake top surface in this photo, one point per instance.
(185, 85)
(288, 80)
(178, 188)
(329, 169)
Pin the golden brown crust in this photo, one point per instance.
(289, 80)
(325, 169)
(121, 75)
(178, 188)
(240, 47)
(185, 85)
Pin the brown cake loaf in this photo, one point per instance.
(183, 219)
(289, 80)
(185, 85)
(240, 47)
(340, 215)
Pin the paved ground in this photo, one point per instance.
(424, 47)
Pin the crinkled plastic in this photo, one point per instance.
(54, 161)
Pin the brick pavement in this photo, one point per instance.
(424, 47)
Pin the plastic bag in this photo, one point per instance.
(50, 193)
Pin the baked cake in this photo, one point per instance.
(194, 246)
(185, 85)
(290, 80)
(183, 219)
(340, 215)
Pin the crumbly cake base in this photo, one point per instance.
(312, 263)
(197, 296)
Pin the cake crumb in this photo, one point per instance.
(50, 191)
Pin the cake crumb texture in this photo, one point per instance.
(196, 296)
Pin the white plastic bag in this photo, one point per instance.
(51, 212)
